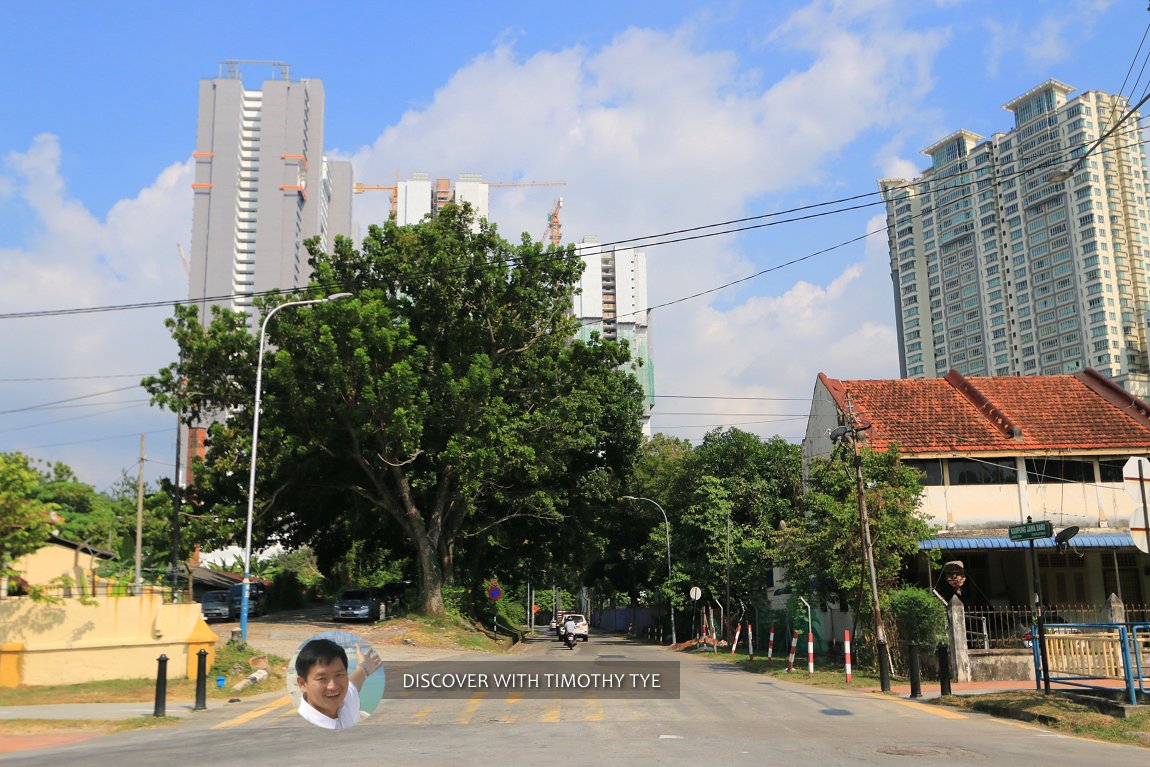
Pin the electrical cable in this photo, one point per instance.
(657, 240)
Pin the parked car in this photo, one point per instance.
(216, 606)
(257, 599)
(363, 604)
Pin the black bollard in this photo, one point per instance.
(883, 666)
(943, 669)
(201, 681)
(915, 671)
(161, 686)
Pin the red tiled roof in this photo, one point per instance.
(1009, 414)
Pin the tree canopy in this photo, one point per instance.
(820, 543)
(445, 403)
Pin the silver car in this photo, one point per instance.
(215, 606)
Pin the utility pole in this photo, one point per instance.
(140, 520)
(881, 649)
(727, 605)
(177, 501)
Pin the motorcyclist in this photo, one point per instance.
(569, 632)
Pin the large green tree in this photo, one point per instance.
(25, 521)
(821, 545)
(446, 399)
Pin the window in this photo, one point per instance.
(988, 471)
(1111, 469)
(1055, 470)
(930, 471)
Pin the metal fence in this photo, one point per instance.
(1006, 627)
(98, 589)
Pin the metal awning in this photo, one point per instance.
(1086, 541)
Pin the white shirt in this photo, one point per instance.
(347, 716)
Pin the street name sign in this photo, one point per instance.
(1031, 531)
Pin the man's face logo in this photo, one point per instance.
(325, 686)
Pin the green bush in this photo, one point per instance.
(286, 592)
(917, 614)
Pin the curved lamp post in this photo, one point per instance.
(668, 523)
(255, 440)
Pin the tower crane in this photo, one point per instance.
(554, 228)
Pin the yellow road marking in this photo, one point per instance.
(550, 714)
(472, 706)
(420, 716)
(255, 713)
(942, 711)
(595, 711)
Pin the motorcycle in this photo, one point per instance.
(569, 640)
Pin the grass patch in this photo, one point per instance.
(447, 632)
(235, 661)
(828, 672)
(1059, 713)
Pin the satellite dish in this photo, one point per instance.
(1066, 534)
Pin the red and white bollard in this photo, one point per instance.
(847, 653)
(810, 654)
(771, 645)
(738, 632)
(791, 657)
(750, 641)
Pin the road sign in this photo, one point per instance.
(1136, 480)
(696, 592)
(494, 593)
(1031, 531)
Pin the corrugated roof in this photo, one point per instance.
(1005, 414)
(1086, 541)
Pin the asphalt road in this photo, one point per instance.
(722, 716)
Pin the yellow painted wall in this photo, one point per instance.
(116, 638)
(52, 561)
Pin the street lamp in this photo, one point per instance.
(255, 439)
(668, 523)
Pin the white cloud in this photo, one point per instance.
(652, 134)
(76, 260)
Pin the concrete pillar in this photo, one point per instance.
(956, 627)
(1115, 610)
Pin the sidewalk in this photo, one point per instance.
(930, 688)
(113, 712)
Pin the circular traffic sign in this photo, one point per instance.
(696, 592)
(494, 592)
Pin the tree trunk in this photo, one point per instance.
(430, 580)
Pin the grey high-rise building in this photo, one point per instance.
(262, 186)
(1026, 253)
(612, 301)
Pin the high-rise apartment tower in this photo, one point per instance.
(1026, 253)
(612, 301)
(262, 186)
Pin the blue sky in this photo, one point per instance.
(658, 116)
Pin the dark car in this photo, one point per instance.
(216, 606)
(257, 599)
(359, 604)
